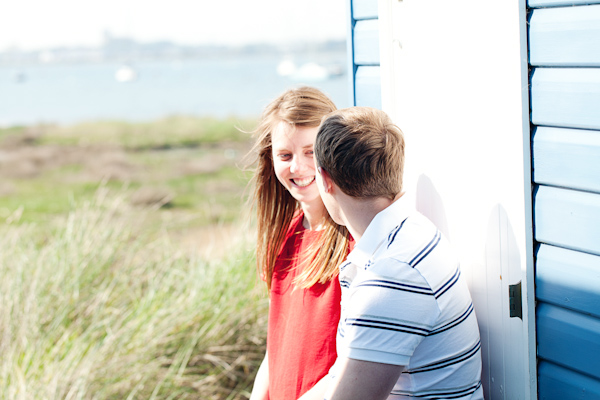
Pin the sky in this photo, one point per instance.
(41, 24)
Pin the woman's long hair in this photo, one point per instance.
(275, 207)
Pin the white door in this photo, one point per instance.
(454, 78)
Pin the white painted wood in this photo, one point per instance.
(565, 36)
(567, 157)
(557, 3)
(364, 9)
(566, 97)
(367, 86)
(455, 80)
(389, 45)
(366, 42)
(568, 218)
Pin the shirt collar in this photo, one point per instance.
(378, 230)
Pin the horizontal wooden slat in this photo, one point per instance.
(366, 42)
(559, 3)
(567, 157)
(568, 36)
(567, 218)
(367, 87)
(364, 9)
(557, 383)
(569, 279)
(566, 97)
(569, 338)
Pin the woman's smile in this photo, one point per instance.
(303, 182)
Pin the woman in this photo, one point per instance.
(298, 249)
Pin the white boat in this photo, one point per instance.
(311, 72)
(125, 73)
(286, 68)
(308, 72)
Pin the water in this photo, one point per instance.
(239, 86)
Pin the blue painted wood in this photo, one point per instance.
(567, 157)
(567, 218)
(555, 3)
(558, 383)
(566, 36)
(350, 51)
(566, 97)
(368, 87)
(578, 289)
(366, 42)
(364, 9)
(569, 339)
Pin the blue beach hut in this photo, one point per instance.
(500, 106)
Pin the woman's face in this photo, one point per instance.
(293, 161)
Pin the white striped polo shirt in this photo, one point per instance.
(404, 303)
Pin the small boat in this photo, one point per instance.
(311, 72)
(308, 72)
(286, 68)
(125, 73)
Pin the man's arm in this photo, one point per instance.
(364, 380)
(260, 390)
(357, 380)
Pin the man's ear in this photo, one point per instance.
(326, 181)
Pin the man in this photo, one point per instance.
(408, 328)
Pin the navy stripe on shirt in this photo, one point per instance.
(390, 326)
(426, 250)
(441, 394)
(394, 285)
(449, 361)
(344, 265)
(454, 322)
(393, 233)
(344, 283)
(449, 283)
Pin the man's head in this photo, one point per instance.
(362, 152)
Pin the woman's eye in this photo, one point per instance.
(310, 152)
(285, 157)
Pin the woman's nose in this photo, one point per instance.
(297, 165)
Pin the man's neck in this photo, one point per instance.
(358, 213)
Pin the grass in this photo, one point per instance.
(98, 309)
(196, 163)
(171, 132)
(126, 270)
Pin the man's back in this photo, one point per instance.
(405, 303)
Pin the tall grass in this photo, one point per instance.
(93, 308)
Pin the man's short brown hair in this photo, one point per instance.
(362, 151)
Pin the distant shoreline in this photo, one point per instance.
(119, 50)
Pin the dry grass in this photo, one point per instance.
(142, 289)
(44, 168)
(95, 309)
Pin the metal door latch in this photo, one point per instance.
(514, 300)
